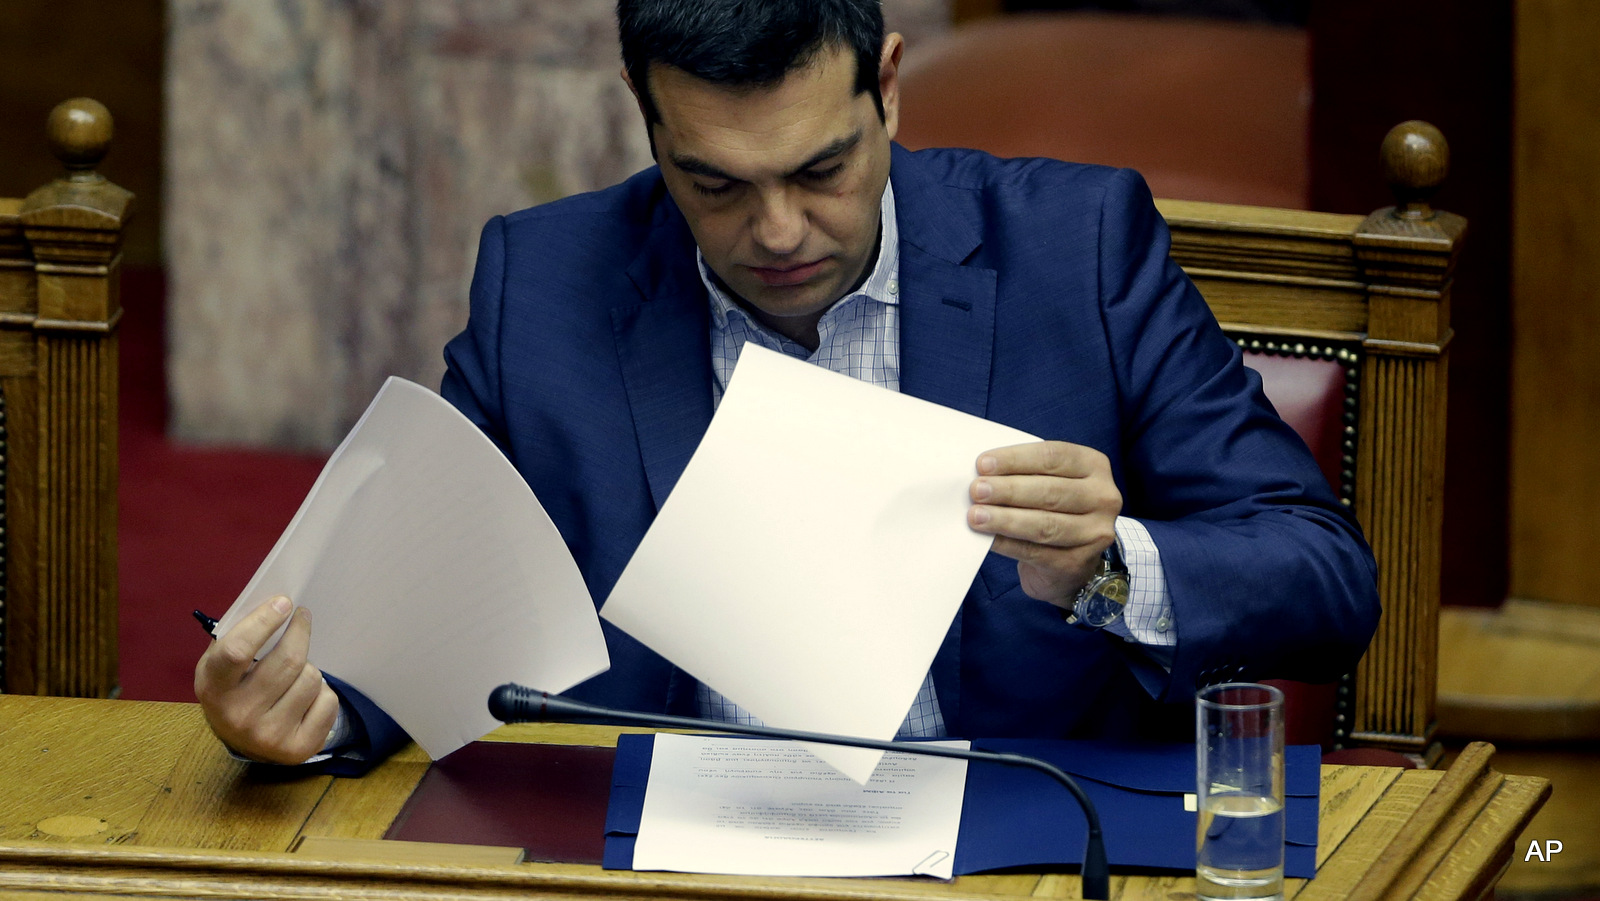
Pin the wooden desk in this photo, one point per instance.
(124, 798)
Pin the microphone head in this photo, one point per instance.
(513, 703)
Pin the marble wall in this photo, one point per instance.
(329, 164)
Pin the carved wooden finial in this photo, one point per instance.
(1416, 159)
(80, 134)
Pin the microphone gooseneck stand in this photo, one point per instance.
(512, 703)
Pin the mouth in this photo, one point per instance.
(784, 276)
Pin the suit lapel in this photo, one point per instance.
(947, 309)
(664, 350)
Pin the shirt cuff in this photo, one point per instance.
(1148, 619)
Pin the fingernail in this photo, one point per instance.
(980, 515)
(281, 604)
(307, 612)
(982, 489)
(987, 464)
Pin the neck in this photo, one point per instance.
(802, 330)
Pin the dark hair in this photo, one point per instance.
(746, 42)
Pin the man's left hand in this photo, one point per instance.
(1052, 506)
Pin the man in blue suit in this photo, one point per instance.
(1172, 531)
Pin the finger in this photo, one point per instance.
(291, 706)
(1057, 458)
(318, 721)
(230, 657)
(1072, 563)
(311, 732)
(283, 733)
(1051, 493)
(277, 671)
(1061, 530)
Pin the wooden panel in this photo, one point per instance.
(1263, 305)
(1556, 315)
(77, 600)
(1188, 214)
(17, 352)
(1260, 240)
(1398, 500)
(22, 535)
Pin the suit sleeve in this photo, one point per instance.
(1268, 574)
(375, 734)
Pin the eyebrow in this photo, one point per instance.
(699, 167)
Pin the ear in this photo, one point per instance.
(632, 89)
(649, 131)
(894, 47)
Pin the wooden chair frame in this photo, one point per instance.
(60, 255)
(1372, 293)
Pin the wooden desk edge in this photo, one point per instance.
(174, 872)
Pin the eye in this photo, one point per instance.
(818, 176)
(716, 190)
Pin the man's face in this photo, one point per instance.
(781, 185)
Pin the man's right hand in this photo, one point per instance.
(276, 709)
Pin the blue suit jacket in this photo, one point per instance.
(1035, 293)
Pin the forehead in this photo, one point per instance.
(756, 130)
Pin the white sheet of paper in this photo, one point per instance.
(764, 808)
(432, 572)
(812, 556)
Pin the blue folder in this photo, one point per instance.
(1014, 817)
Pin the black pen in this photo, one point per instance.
(206, 623)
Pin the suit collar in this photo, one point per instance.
(929, 218)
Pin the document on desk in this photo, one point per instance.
(433, 573)
(813, 554)
(766, 808)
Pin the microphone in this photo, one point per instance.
(512, 703)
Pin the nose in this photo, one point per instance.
(779, 225)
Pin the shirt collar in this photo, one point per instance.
(883, 285)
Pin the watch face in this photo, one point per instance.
(1102, 603)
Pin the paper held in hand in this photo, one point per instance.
(811, 558)
(433, 573)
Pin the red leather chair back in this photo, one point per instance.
(1309, 393)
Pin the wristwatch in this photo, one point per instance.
(1100, 601)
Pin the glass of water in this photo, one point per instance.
(1239, 765)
